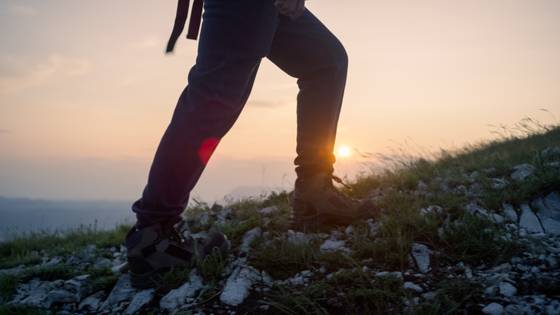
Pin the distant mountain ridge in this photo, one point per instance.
(24, 215)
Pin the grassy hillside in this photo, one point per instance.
(462, 210)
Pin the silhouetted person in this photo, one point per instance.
(234, 37)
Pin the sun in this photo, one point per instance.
(343, 151)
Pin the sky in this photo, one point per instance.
(86, 90)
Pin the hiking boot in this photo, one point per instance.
(156, 249)
(317, 202)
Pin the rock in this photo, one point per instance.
(298, 238)
(92, 302)
(249, 237)
(507, 289)
(529, 221)
(139, 300)
(239, 284)
(78, 286)
(53, 262)
(433, 209)
(395, 274)
(522, 171)
(122, 291)
(509, 213)
(120, 268)
(349, 230)
(493, 309)
(60, 296)
(412, 286)
(268, 210)
(548, 211)
(300, 278)
(12, 271)
(333, 246)
(421, 255)
(513, 309)
(373, 227)
(498, 183)
(33, 293)
(180, 296)
(103, 263)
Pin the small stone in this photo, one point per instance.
(268, 210)
(238, 285)
(139, 300)
(92, 302)
(249, 237)
(493, 309)
(122, 291)
(522, 171)
(178, 297)
(373, 227)
(514, 309)
(412, 286)
(421, 254)
(332, 246)
(120, 268)
(60, 296)
(507, 289)
(509, 213)
(529, 221)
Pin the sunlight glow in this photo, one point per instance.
(343, 152)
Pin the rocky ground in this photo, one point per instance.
(471, 238)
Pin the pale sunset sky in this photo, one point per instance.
(86, 90)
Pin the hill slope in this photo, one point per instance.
(472, 231)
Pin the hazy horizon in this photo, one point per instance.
(86, 90)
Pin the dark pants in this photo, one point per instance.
(234, 36)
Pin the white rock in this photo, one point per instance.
(238, 285)
(178, 297)
(298, 238)
(507, 289)
(373, 227)
(412, 286)
(60, 296)
(334, 245)
(248, 239)
(139, 300)
(529, 220)
(548, 211)
(92, 302)
(268, 210)
(499, 183)
(522, 171)
(421, 255)
(33, 293)
(120, 268)
(433, 209)
(510, 213)
(493, 309)
(349, 230)
(514, 309)
(122, 291)
(395, 274)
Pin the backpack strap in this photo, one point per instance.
(181, 19)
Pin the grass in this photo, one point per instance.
(347, 292)
(454, 296)
(25, 249)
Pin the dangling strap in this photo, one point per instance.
(181, 19)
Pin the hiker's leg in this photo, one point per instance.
(234, 38)
(305, 49)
